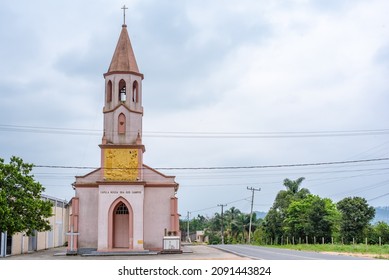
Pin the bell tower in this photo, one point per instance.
(122, 149)
(125, 204)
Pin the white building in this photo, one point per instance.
(20, 243)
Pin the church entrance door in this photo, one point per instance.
(121, 226)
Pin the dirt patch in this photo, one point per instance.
(369, 256)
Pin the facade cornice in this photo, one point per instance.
(125, 106)
(122, 146)
(123, 72)
(121, 183)
(163, 185)
(86, 185)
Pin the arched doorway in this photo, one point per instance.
(120, 233)
(121, 226)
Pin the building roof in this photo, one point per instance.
(123, 59)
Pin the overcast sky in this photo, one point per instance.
(227, 84)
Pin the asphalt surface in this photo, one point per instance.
(266, 253)
(195, 252)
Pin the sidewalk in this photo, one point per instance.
(190, 252)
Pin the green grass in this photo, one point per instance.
(381, 252)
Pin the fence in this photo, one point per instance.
(322, 240)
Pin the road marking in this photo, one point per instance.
(257, 250)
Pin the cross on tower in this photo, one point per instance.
(124, 8)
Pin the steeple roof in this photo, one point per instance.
(123, 59)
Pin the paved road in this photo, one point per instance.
(266, 253)
(198, 252)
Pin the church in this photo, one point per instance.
(124, 205)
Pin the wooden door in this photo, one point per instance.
(121, 232)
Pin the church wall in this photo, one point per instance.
(129, 79)
(133, 125)
(151, 176)
(134, 195)
(157, 215)
(90, 177)
(88, 199)
(133, 120)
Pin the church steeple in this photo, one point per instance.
(123, 109)
(122, 148)
(123, 59)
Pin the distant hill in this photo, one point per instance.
(260, 215)
(381, 214)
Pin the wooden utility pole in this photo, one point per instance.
(251, 212)
(222, 228)
(187, 232)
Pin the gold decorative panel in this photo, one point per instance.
(121, 164)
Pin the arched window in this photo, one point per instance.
(122, 90)
(121, 209)
(135, 92)
(109, 91)
(122, 124)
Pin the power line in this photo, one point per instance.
(212, 207)
(227, 167)
(49, 130)
(202, 134)
(378, 197)
(265, 135)
(363, 189)
(240, 174)
(204, 209)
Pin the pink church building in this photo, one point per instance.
(124, 205)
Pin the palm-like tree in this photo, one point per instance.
(293, 187)
(275, 218)
(292, 192)
(230, 217)
(241, 225)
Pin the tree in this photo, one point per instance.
(274, 220)
(292, 192)
(273, 226)
(241, 226)
(231, 215)
(214, 229)
(381, 230)
(293, 187)
(312, 216)
(21, 206)
(356, 215)
(198, 223)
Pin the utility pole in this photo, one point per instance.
(222, 205)
(187, 232)
(251, 212)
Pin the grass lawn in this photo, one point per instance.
(380, 252)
